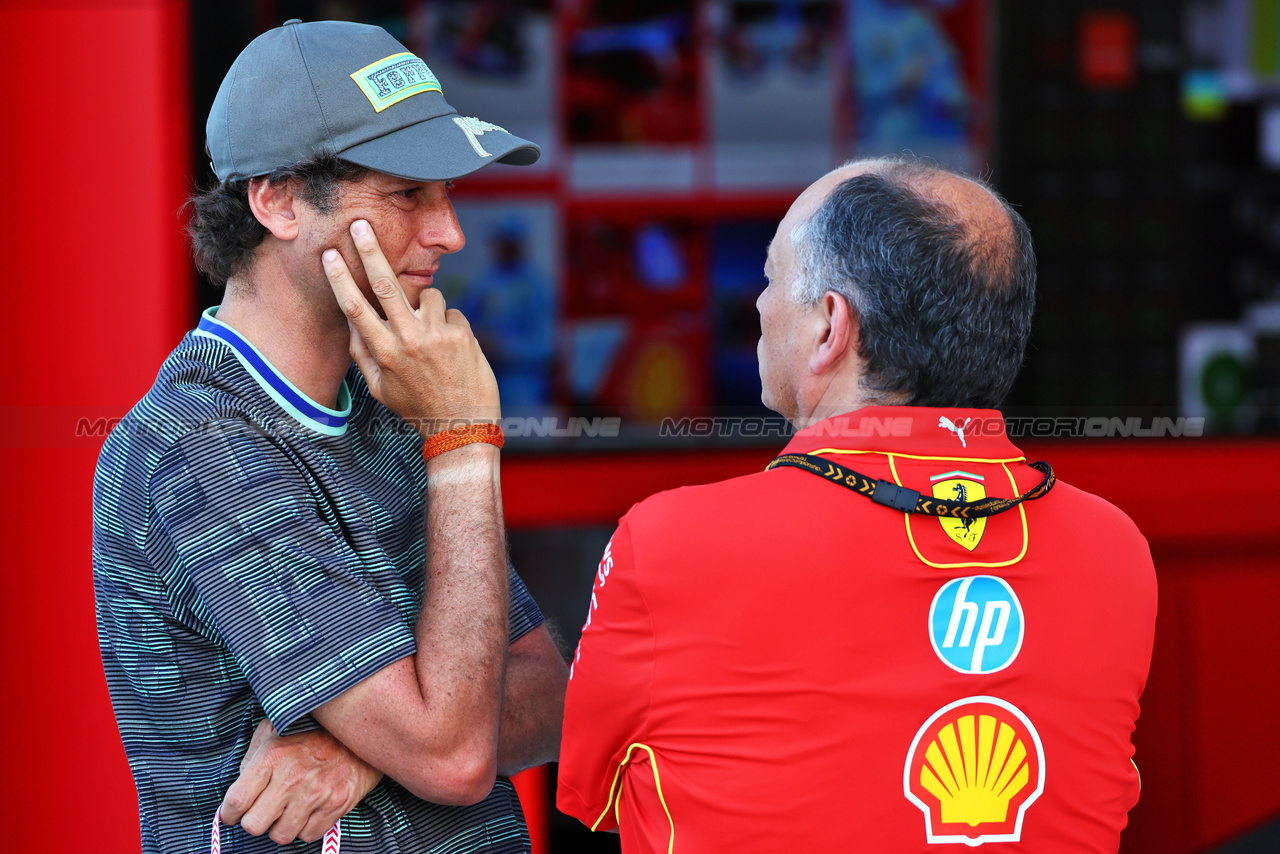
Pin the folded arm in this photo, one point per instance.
(532, 703)
(430, 720)
(297, 786)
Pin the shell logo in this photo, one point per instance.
(973, 769)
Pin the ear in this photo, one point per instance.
(836, 329)
(275, 206)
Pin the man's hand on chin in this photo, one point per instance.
(424, 363)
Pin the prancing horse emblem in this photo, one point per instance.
(961, 486)
(948, 424)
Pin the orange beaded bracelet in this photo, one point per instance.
(459, 436)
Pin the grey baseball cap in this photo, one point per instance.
(351, 90)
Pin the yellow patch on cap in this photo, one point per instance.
(391, 80)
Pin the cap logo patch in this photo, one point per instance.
(473, 128)
(391, 80)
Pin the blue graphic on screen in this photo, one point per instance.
(910, 87)
(511, 308)
(976, 624)
(737, 278)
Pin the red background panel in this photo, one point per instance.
(65, 779)
(1231, 696)
(97, 286)
(98, 276)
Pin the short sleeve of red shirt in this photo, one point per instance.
(607, 705)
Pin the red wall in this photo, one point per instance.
(96, 285)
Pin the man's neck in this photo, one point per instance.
(838, 395)
(305, 342)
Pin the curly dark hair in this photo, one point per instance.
(224, 232)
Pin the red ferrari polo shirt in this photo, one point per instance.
(777, 660)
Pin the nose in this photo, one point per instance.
(439, 227)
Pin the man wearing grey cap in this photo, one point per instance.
(296, 596)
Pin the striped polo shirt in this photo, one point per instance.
(257, 553)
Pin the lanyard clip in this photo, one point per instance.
(898, 497)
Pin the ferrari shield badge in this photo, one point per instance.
(961, 486)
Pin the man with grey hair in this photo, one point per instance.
(900, 635)
(304, 604)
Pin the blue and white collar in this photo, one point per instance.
(322, 419)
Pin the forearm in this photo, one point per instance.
(430, 721)
(532, 704)
(461, 633)
(467, 705)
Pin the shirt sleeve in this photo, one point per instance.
(607, 705)
(301, 613)
(525, 613)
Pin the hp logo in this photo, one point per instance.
(975, 624)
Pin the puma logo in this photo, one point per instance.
(473, 128)
(948, 424)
